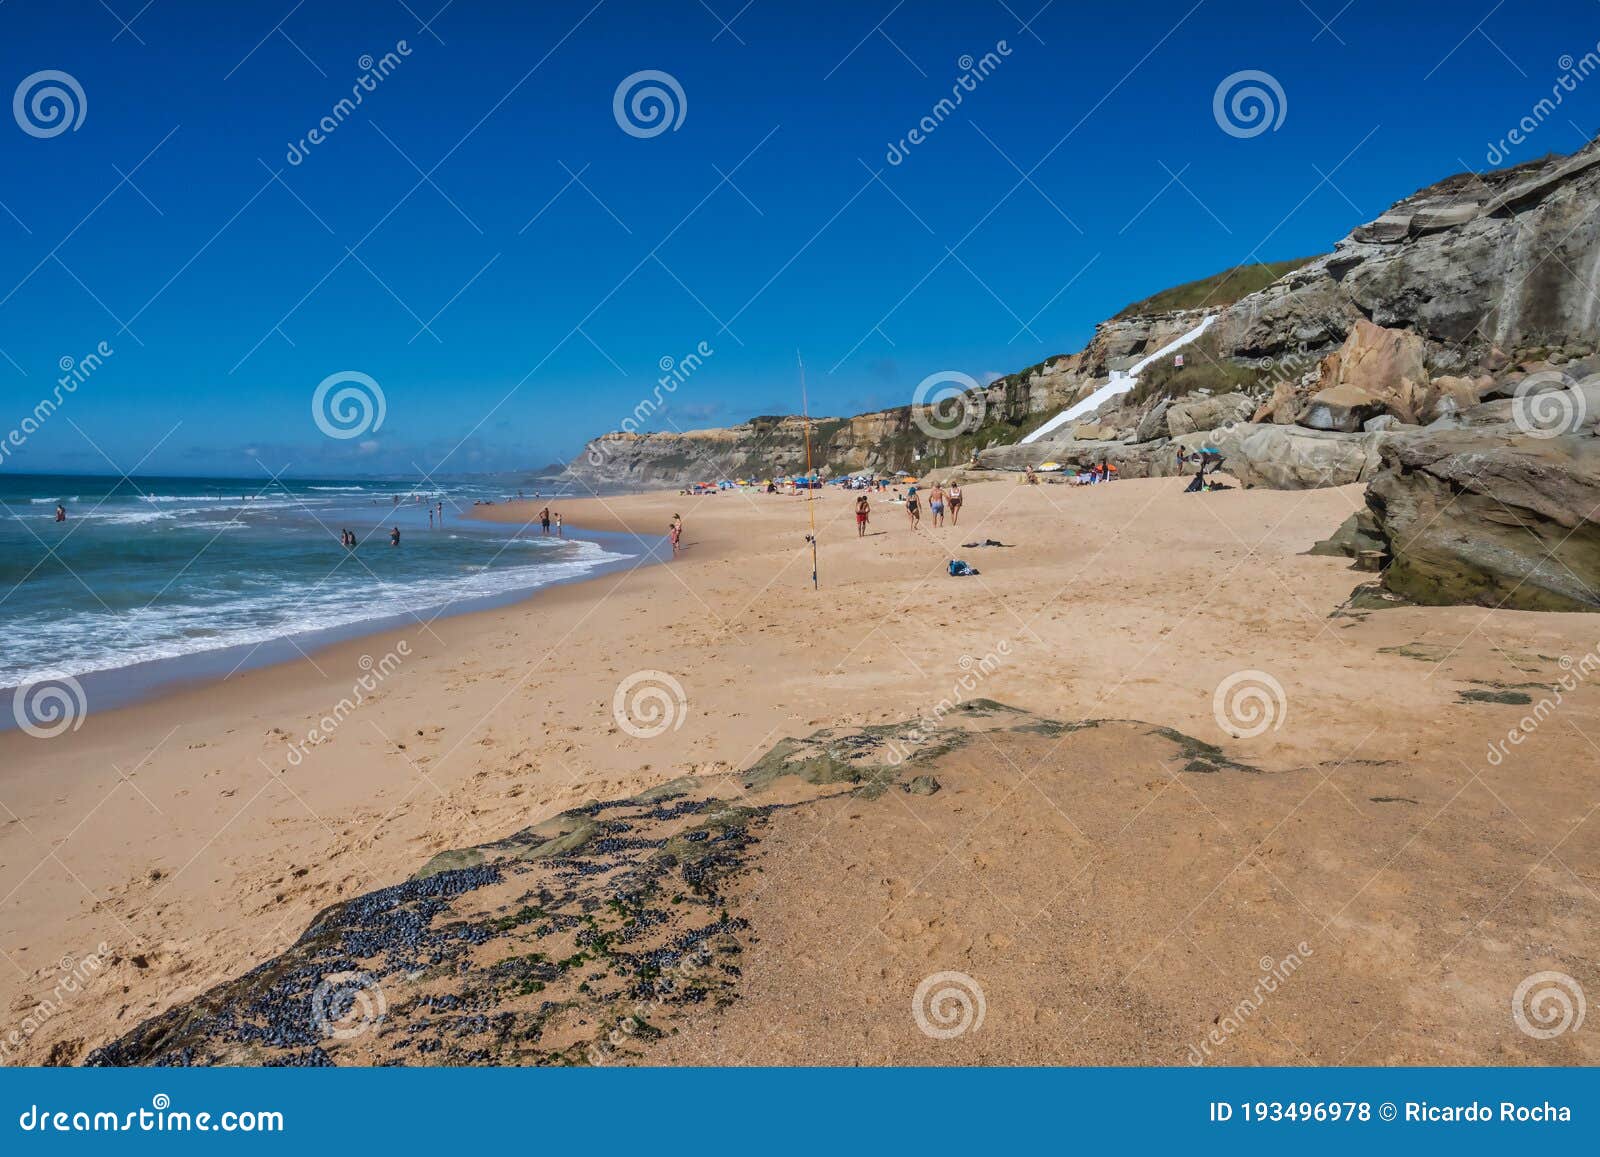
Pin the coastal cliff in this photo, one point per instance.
(1481, 276)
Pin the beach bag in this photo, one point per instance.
(959, 569)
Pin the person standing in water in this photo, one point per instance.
(61, 513)
(544, 520)
(557, 517)
(863, 515)
(394, 537)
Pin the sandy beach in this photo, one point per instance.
(181, 836)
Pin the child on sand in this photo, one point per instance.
(863, 513)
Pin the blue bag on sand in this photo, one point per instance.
(959, 569)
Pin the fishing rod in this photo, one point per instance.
(811, 514)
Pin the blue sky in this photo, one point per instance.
(484, 240)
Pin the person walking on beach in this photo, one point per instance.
(955, 504)
(394, 537)
(913, 507)
(863, 514)
(544, 520)
(675, 533)
(936, 504)
(557, 517)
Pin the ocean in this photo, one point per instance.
(148, 571)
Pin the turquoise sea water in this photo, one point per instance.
(147, 569)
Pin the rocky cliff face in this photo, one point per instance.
(760, 448)
(1452, 288)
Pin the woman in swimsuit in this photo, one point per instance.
(955, 505)
(863, 513)
(913, 508)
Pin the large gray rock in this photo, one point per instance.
(1491, 515)
(1291, 457)
(1188, 415)
(1154, 424)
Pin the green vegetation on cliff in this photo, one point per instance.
(1218, 290)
